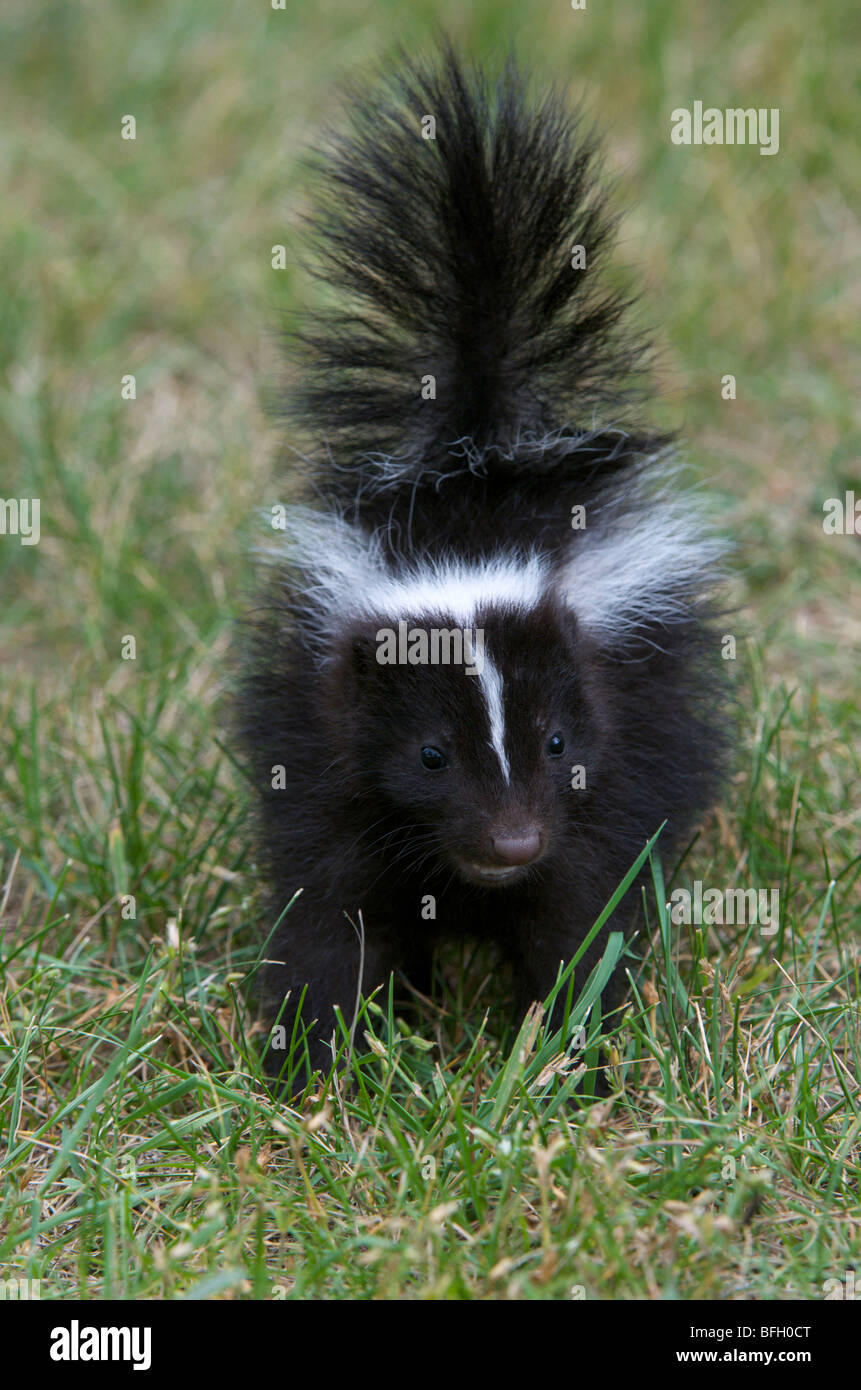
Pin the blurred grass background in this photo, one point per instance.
(152, 257)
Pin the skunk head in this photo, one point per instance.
(471, 704)
(473, 756)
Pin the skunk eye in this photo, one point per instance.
(555, 745)
(433, 759)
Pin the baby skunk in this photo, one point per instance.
(483, 673)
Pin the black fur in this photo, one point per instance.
(452, 259)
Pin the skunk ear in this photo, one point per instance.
(360, 663)
(353, 670)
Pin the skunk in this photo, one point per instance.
(485, 668)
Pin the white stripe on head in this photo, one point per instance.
(347, 578)
(491, 684)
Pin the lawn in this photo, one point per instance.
(142, 1157)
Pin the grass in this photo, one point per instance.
(142, 1157)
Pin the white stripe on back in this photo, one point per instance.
(644, 554)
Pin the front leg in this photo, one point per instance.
(543, 950)
(312, 966)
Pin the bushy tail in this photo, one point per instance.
(449, 217)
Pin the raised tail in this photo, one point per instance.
(459, 223)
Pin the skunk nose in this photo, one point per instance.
(517, 846)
